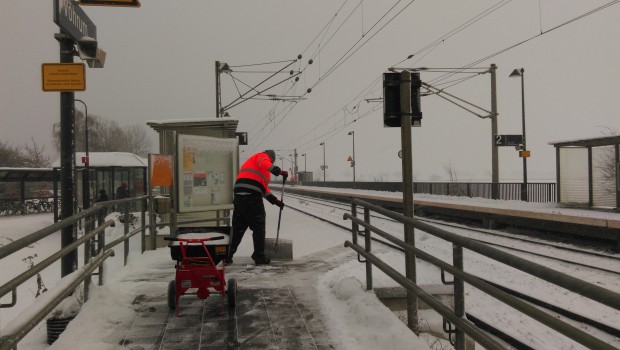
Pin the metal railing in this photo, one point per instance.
(542, 192)
(457, 316)
(94, 246)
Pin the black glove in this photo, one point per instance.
(276, 170)
(271, 198)
(284, 173)
(279, 203)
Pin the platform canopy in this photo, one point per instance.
(108, 159)
(27, 174)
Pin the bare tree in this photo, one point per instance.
(605, 162)
(35, 157)
(452, 175)
(31, 156)
(454, 188)
(107, 136)
(9, 155)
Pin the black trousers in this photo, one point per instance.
(249, 211)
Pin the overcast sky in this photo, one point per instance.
(161, 57)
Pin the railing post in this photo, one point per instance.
(459, 295)
(101, 243)
(143, 223)
(354, 225)
(87, 253)
(126, 207)
(368, 249)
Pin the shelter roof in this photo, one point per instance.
(589, 142)
(27, 174)
(109, 159)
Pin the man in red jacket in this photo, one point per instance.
(249, 211)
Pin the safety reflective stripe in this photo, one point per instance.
(254, 188)
(249, 170)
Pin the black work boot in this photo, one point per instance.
(262, 261)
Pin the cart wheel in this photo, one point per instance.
(232, 292)
(172, 295)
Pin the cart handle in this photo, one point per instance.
(193, 240)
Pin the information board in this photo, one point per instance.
(206, 172)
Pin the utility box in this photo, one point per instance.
(162, 205)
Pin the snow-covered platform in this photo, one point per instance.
(277, 308)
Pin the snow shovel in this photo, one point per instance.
(276, 247)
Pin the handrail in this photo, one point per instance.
(589, 290)
(26, 322)
(15, 282)
(592, 291)
(470, 328)
(46, 231)
(19, 329)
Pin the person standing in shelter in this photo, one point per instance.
(251, 186)
(103, 197)
(121, 191)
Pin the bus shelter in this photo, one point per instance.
(588, 172)
(119, 174)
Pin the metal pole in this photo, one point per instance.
(67, 156)
(323, 144)
(494, 147)
(218, 102)
(352, 133)
(86, 174)
(407, 166)
(524, 188)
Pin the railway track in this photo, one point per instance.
(605, 262)
(515, 244)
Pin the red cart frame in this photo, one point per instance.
(199, 270)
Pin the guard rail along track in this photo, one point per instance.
(588, 227)
(457, 316)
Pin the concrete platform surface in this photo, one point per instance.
(276, 308)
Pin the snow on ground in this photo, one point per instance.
(356, 318)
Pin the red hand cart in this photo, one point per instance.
(200, 266)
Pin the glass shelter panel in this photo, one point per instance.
(604, 176)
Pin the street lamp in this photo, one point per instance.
(305, 167)
(352, 133)
(86, 174)
(220, 67)
(523, 153)
(324, 166)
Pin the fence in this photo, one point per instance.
(537, 192)
(459, 243)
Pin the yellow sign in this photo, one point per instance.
(63, 76)
(524, 154)
(125, 3)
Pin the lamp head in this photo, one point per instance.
(516, 73)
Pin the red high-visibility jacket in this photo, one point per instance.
(255, 175)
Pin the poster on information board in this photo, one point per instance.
(206, 169)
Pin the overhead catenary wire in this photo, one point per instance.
(343, 59)
(443, 81)
(493, 9)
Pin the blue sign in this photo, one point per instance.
(73, 20)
